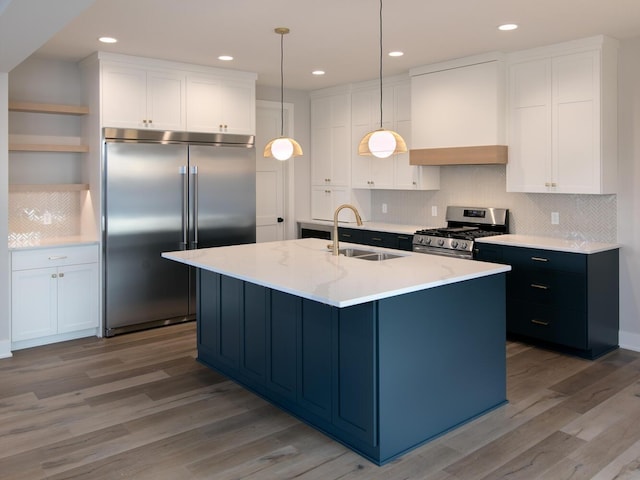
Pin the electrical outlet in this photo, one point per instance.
(384, 208)
(434, 211)
(46, 218)
(555, 218)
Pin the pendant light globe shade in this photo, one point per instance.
(282, 148)
(382, 143)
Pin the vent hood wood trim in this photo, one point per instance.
(479, 155)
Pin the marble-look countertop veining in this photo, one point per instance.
(306, 268)
(69, 241)
(569, 245)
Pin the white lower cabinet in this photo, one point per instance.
(325, 200)
(54, 295)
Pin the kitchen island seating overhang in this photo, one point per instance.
(379, 355)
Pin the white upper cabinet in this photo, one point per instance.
(459, 103)
(218, 104)
(138, 92)
(563, 117)
(141, 98)
(330, 139)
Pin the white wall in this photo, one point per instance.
(629, 192)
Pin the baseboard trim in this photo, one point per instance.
(630, 341)
(5, 349)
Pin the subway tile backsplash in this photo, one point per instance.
(582, 217)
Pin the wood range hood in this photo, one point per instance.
(477, 155)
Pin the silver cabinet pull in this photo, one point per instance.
(539, 322)
(539, 259)
(53, 275)
(57, 257)
(61, 275)
(541, 287)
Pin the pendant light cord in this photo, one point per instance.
(282, 84)
(380, 63)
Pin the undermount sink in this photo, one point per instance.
(367, 254)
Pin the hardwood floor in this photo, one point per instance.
(139, 406)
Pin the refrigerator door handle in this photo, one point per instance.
(185, 206)
(194, 200)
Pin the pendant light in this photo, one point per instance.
(381, 143)
(282, 148)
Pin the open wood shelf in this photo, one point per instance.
(48, 108)
(36, 147)
(49, 187)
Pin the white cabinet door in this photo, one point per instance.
(137, 98)
(77, 297)
(34, 303)
(124, 97)
(576, 120)
(238, 107)
(165, 100)
(215, 104)
(562, 121)
(331, 140)
(529, 167)
(325, 200)
(54, 291)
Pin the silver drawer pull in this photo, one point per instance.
(57, 257)
(539, 259)
(376, 239)
(541, 287)
(402, 237)
(346, 235)
(540, 322)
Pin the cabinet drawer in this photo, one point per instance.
(563, 326)
(548, 287)
(545, 259)
(54, 257)
(380, 239)
(352, 235)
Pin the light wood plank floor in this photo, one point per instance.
(139, 406)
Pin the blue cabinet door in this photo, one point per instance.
(282, 349)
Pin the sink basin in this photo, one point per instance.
(370, 255)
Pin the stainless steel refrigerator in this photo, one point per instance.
(166, 191)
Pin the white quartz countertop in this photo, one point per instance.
(306, 268)
(375, 226)
(549, 243)
(32, 244)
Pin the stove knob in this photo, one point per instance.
(440, 242)
(463, 245)
(454, 243)
(427, 240)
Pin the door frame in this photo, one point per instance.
(288, 170)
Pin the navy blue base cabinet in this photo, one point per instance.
(561, 300)
(381, 377)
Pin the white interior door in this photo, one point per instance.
(272, 188)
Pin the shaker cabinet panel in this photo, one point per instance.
(138, 98)
(216, 104)
(54, 291)
(562, 119)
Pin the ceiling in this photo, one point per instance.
(338, 36)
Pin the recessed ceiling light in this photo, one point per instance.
(108, 39)
(396, 54)
(225, 58)
(318, 72)
(507, 26)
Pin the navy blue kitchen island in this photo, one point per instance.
(381, 376)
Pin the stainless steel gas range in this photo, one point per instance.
(464, 225)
